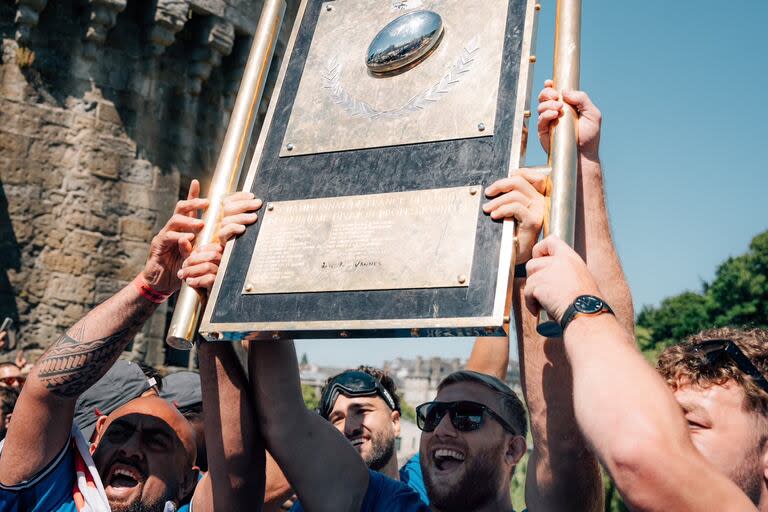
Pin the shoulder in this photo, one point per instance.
(49, 489)
(410, 474)
(385, 494)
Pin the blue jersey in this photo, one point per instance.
(385, 495)
(50, 490)
(410, 474)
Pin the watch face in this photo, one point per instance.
(588, 304)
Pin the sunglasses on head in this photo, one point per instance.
(714, 351)
(353, 384)
(10, 381)
(465, 416)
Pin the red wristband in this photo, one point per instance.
(149, 293)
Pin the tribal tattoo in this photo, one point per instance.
(70, 366)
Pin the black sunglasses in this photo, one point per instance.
(715, 351)
(353, 384)
(465, 416)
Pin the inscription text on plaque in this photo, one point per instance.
(400, 240)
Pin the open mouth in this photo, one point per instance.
(357, 441)
(123, 479)
(447, 459)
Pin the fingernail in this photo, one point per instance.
(179, 274)
(486, 207)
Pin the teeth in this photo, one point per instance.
(443, 453)
(125, 472)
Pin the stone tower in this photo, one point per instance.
(108, 109)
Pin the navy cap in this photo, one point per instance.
(121, 384)
(182, 389)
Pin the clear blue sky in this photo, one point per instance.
(681, 86)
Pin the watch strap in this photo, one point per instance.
(572, 311)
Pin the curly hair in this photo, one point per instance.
(682, 364)
(380, 375)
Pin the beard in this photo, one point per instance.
(382, 450)
(139, 506)
(748, 475)
(478, 486)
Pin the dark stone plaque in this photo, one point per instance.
(474, 307)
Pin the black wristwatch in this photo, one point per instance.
(584, 305)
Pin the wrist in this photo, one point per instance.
(583, 325)
(590, 162)
(148, 291)
(584, 305)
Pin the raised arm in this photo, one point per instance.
(562, 473)
(235, 449)
(235, 478)
(81, 356)
(622, 406)
(324, 469)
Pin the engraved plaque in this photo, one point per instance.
(341, 105)
(421, 239)
(373, 230)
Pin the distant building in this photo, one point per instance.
(418, 378)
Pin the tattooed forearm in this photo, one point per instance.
(76, 361)
(70, 367)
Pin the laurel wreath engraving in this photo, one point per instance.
(359, 108)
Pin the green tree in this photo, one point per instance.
(311, 400)
(406, 410)
(739, 292)
(737, 296)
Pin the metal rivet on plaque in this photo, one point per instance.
(472, 191)
(270, 207)
(275, 335)
(462, 279)
(490, 330)
(344, 334)
(216, 336)
(289, 146)
(506, 319)
(249, 287)
(415, 332)
(481, 127)
(329, 7)
(527, 113)
(538, 7)
(532, 58)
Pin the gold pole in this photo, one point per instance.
(563, 155)
(190, 303)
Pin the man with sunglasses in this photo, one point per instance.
(718, 378)
(11, 376)
(473, 436)
(363, 404)
(627, 412)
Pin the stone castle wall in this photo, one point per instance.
(108, 108)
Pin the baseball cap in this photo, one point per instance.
(121, 384)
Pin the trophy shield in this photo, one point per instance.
(388, 121)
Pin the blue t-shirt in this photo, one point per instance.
(385, 495)
(50, 490)
(410, 474)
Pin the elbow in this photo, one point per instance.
(635, 464)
